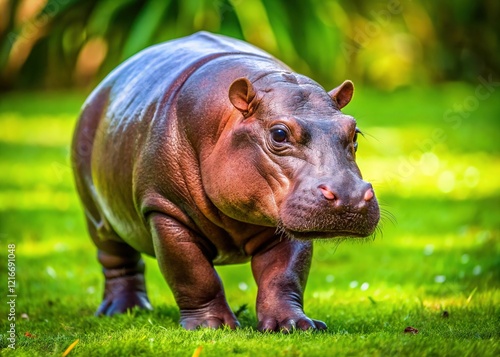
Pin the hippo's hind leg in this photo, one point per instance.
(123, 269)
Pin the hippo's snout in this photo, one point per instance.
(328, 210)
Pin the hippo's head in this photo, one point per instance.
(289, 160)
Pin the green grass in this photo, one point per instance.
(441, 254)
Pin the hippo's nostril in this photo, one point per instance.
(368, 194)
(329, 195)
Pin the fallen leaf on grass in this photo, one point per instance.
(27, 334)
(197, 351)
(411, 330)
(68, 350)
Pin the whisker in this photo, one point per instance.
(387, 215)
(365, 134)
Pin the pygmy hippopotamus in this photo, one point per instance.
(207, 150)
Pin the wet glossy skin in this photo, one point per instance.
(206, 150)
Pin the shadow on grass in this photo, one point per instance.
(43, 224)
(33, 154)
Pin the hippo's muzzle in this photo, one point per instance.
(327, 212)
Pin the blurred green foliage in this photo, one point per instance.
(386, 44)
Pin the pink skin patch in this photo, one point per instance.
(368, 195)
(327, 193)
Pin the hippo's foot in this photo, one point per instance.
(122, 293)
(215, 314)
(287, 320)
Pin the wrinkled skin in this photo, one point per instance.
(206, 150)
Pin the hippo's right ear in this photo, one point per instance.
(342, 94)
(241, 94)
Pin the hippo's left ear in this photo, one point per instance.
(241, 94)
(342, 94)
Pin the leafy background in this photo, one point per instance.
(427, 99)
(386, 44)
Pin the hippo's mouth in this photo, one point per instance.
(299, 221)
(323, 235)
(359, 226)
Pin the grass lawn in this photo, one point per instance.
(434, 158)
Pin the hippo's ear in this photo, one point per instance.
(241, 93)
(342, 94)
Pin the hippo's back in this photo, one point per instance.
(157, 71)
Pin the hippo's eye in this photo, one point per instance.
(279, 135)
(355, 139)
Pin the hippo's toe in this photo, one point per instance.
(124, 293)
(290, 324)
(208, 316)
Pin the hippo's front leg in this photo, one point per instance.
(194, 282)
(281, 275)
